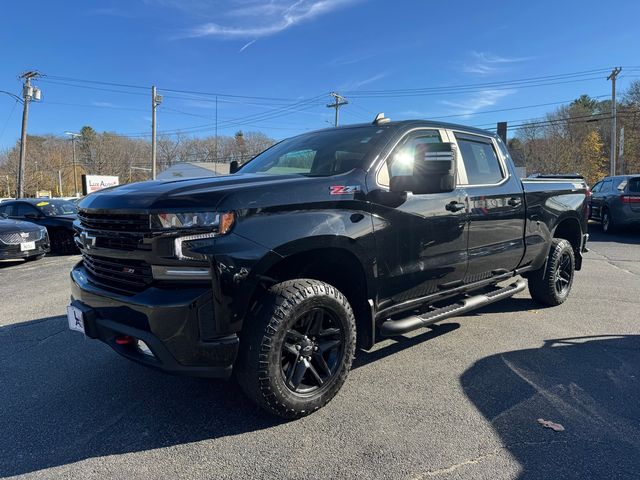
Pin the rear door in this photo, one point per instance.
(599, 199)
(496, 206)
(595, 201)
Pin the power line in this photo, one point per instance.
(487, 84)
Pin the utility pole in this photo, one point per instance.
(73, 146)
(155, 101)
(339, 101)
(216, 160)
(28, 93)
(614, 75)
(621, 151)
(60, 194)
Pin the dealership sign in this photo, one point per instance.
(93, 183)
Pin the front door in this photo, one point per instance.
(420, 239)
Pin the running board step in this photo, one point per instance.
(404, 325)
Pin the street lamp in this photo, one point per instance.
(73, 136)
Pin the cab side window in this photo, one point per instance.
(596, 188)
(6, 209)
(480, 159)
(400, 162)
(23, 209)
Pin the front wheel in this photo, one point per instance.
(296, 351)
(551, 284)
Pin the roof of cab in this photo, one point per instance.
(400, 124)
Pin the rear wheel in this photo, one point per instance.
(296, 352)
(607, 222)
(551, 284)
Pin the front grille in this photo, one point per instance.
(127, 276)
(14, 238)
(129, 222)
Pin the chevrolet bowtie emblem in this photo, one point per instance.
(88, 241)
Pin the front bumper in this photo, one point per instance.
(170, 321)
(12, 252)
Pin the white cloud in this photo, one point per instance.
(255, 19)
(485, 63)
(247, 45)
(477, 101)
(356, 84)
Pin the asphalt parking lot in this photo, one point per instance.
(459, 401)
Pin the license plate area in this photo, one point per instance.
(75, 317)
(26, 246)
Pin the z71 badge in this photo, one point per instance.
(343, 189)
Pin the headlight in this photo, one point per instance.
(219, 222)
(214, 225)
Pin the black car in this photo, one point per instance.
(55, 215)
(22, 240)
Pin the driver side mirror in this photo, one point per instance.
(234, 166)
(434, 170)
(32, 216)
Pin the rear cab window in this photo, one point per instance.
(480, 159)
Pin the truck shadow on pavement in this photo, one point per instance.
(590, 385)
(64, 399)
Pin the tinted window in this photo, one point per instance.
(22, 209)
(606, 186)
(634, 185)
(596, 188)
(480, 160)
(328, 152)
(5, 209)
(53, 208)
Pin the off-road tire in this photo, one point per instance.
(543, 283)
(259, 368)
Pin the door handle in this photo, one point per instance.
(455, 206)
(514, 201)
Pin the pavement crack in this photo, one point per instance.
(484, 456)
(611, 261)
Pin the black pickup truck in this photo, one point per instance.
(358, 232)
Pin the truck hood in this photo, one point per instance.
(226, 192)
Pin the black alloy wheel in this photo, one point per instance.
(311, 351)
(297, 347)
(563, 273)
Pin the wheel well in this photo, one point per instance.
(570, 230)
(337, 267)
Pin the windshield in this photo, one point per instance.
(53, 208)
(324, 153)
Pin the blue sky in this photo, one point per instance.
(291, 54)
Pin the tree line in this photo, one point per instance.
(573, 138)
(577, 138)
(49, 159)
